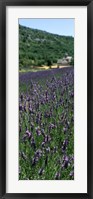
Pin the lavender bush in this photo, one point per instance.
(46, 125)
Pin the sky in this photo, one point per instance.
(56, 26)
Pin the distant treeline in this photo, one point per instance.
(37, 47)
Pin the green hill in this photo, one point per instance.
(37, 47)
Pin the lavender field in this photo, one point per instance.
(46, 125)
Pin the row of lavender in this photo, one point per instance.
(46, 125)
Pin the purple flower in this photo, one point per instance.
(20, 107)
(48, 149)
(43, 144)
(55, 149)
(71, 174)
(33, 144)
(52, 126)
(21, 97)
(41, 171)
(38, 153)
(23, 156)
(57, 176)
(38, 131)
(29, 134)
(64, 147)
(47, 138)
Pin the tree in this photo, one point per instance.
(72, 62)
(49, 63)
